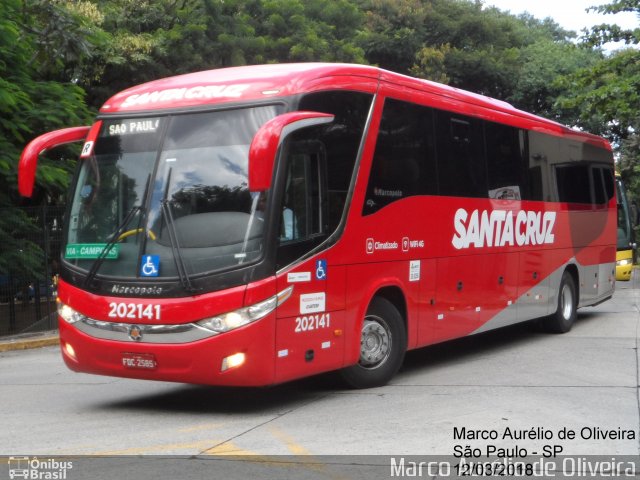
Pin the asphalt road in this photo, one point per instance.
(529, 389)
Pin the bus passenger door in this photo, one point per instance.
(305, 339)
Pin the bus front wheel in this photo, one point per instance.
(383, 342)
(564, 317)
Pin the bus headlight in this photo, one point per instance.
(244, 316)
(68, 314)
(239, 318)
(623, 262)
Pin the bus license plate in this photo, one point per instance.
(141, 361)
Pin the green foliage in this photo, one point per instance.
(607, 95)
(484, 50)
(544, 66)
(35, 96)
(20, 257)
(604, 33)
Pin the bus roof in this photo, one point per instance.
(260, 82)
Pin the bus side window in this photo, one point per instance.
(505, 161)
(598, 186)
(609, 186)
(404, 159)
(461, 160)
(304, 192)
(573, 183)
(303, 209)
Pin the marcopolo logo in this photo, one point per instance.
(47, 469)
(499, 228)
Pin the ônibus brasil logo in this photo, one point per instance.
(32, 468)
(499, 228)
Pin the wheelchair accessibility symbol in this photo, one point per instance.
(150, 266)
(321, 269)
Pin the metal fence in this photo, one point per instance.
(29, 304)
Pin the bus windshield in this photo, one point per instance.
(167, 196)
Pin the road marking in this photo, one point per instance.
(228, 448)
(168, 447)
(199, 428)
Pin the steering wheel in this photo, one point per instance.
(136, 231)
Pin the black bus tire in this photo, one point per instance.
(383, 342)
(565, 315)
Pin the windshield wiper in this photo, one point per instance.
(167, 215)
(116, 236)
(107, 248)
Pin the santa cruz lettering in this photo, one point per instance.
(199, 92)
(499, 228)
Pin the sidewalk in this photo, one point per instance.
(29, 340)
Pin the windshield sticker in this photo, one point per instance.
(89, 251)
(133, 127)
(150, 266)
(87, 148)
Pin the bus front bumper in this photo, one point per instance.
(242, 357)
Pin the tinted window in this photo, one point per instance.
(304, 208)
(535, 190)
(505, 157)
(403, 162)
(573, 183)
(608, 182)
(598, 186)
(461, 161)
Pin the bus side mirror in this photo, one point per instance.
(29, 158)
(265, 143)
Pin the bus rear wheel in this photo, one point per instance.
(383, 342)
(565, 315)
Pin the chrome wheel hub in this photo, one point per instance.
(375, 342)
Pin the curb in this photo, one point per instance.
(25, 343)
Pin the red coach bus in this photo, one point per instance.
(253, 225)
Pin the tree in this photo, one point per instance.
(30, 103)
(394, 32)
(464, 44)
(605, 33)
(538, 82)
(142, 40)
(608, 93)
